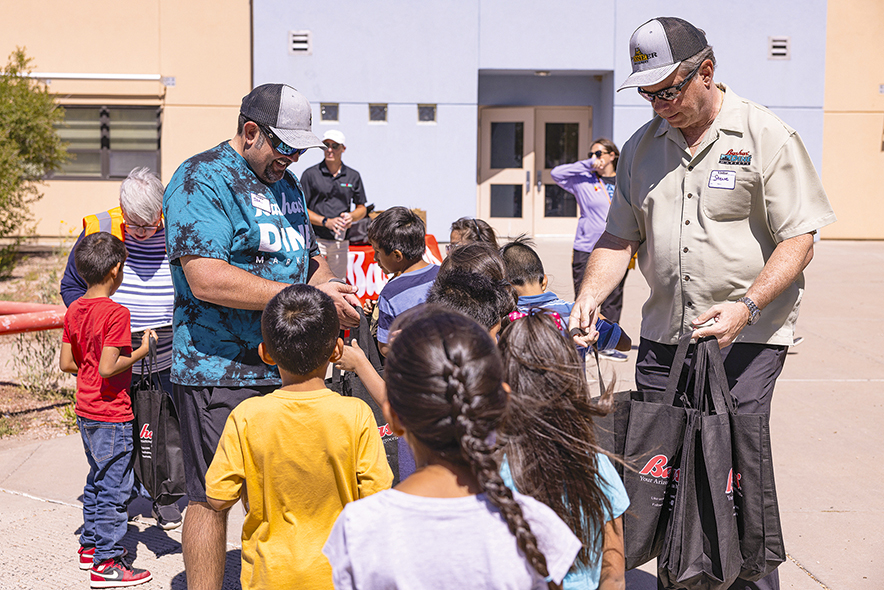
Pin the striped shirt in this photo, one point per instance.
(148, 294)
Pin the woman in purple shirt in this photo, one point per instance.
(592, 183)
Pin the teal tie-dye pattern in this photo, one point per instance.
(215, 207)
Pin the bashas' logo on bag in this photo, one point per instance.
(659, 469)
(146, 436)
(733, 479)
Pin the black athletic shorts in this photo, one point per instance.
(202, 413)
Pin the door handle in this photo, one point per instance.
(539, 181)
(527, 181)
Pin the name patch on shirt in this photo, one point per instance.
(732, 158)
(723, 179)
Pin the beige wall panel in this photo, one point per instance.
(191, 130)
(65, 202)
(206, 44)
(187, 131)
(852, 167)
(84, 36)
(854, 32)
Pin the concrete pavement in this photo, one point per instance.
(826, 428)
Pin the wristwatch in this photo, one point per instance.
(754, 312)
(324, 219)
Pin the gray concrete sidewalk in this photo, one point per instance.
(826, 427)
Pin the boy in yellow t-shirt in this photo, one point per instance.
(298, 455)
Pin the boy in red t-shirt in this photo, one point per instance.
(96, 345)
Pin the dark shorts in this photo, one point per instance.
(202, 413)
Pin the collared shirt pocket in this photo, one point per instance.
(729, 194)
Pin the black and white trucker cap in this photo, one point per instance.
(658, 47)
(285, 111)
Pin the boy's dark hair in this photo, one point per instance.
(474, 230)
(444, 381)
(477, 257)
(523, 265)
(477, 296)
(97, 254)
(399, 228)
(300, 328)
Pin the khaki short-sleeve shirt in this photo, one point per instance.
(708, 223)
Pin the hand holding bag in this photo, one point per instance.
(159, 462)
(702, 544)
(646, 429)
(753, 488)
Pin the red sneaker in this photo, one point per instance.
(114, 573)
(86, 554)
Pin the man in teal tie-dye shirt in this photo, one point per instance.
(237, 234)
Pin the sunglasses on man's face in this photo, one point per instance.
(331, 145)
(278, 144)
(671, 93)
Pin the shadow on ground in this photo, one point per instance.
(232, 569)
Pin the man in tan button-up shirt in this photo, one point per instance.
(720, 199)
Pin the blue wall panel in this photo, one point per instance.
(459, 54)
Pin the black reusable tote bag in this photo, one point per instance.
(347, 383)
(702, 545)
(159, 462)
(646, 430)
(753, 489)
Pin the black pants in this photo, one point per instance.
(613, 305)
(752, 371)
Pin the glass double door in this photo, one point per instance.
(518, 148)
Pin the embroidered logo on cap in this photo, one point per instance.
(640, 57)
(732, 158)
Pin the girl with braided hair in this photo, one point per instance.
(550, 416)
(452, 523)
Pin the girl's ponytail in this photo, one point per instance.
(479, 453)
(444, 380)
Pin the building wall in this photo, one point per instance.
(205, 45)
(455, 54)
(464, 54)
(854, 119)
(793, 89)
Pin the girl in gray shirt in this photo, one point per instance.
(452, 523)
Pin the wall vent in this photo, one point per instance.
(779, 48)
(300, 43)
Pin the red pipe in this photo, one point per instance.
(32, 322)
(8, 307)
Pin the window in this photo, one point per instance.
(108, 142)
(426, 113)
(377, 113)
(328, 111)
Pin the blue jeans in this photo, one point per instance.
(109, 449)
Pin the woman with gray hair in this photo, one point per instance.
(146, 290)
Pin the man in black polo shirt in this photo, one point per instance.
(330, 187)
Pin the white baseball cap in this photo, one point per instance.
(334, 135)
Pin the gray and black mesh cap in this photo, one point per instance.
(658, 47)
(285, 111)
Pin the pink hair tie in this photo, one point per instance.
(517, 315)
